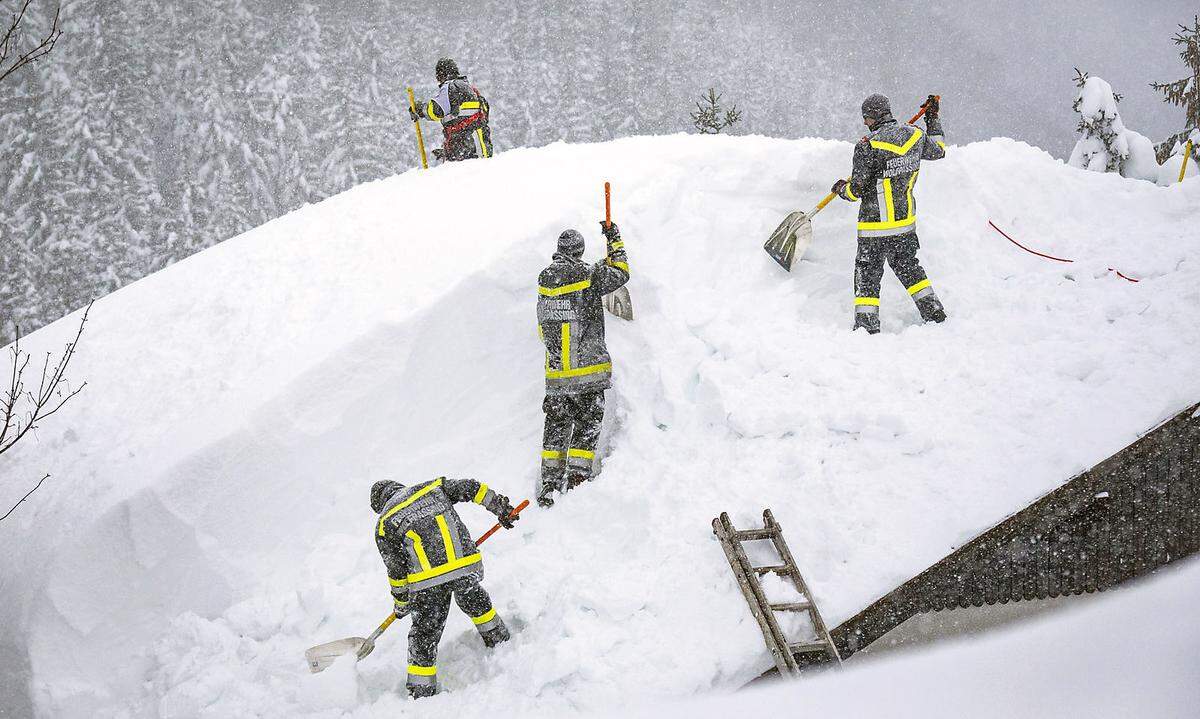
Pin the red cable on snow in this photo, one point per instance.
(1050, 257)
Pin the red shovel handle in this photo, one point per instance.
(922, 111)
(490, 532)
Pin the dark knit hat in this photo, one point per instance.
(381, 492)
(877, 107)
(446, 69)
(570, 242)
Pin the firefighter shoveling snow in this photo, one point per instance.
(209, 519)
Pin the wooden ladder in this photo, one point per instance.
(785, 652)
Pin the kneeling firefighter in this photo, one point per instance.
(570, 314)
(886, 164)
(463, 112)
(430, 556)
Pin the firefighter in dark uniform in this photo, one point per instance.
(886, 165)
(430, 556)
(463, 112)
(578, 368)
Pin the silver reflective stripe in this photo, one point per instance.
(937, 138)
(927, 292)
(467, 113)
(582, 379)
(489, 625)
(889, 232)
(881, 202)
(420, 680)
(867, 309)
(455, 538)
(579, 462)
(556, 462)
(447, 577)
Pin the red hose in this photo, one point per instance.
(1050, 257)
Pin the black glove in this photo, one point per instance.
(838, 187)
(932, 106)
(413, 114)
(505, 514)
(610, 231)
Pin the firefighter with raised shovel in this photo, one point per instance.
(886, 163)
(430, 557)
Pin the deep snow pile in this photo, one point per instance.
(1127, 653)
(208, 517)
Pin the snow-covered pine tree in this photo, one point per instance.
(1183, 93)
(1107, 145)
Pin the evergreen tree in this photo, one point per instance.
(1185, 92)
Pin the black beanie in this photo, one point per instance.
(382, 491)
(446, 69)
(570, 242)
(877, 107)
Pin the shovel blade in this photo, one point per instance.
(790, 240)
(620, 304)
(322, 656)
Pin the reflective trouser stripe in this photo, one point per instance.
(552, 458)
(580, 458)
(487, 622)
(482, 145)
(422, 676)
(920, 287)
(866, 305)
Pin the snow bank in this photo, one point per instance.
(1126, 653)
(1168, 173)
(208, 517)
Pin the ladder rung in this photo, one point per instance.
(777, 568)
(805, 647)
(746, 535)
(791, 607)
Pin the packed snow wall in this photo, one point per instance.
(207, 519)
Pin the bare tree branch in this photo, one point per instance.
(12, 36)
(49, 397)
(22, 499)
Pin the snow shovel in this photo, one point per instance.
(619, 302)
(322, 656)
(794, 234)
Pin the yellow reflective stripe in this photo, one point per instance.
(483, 488)
(866, 301)
(565, 374)
(398, 582)
(619, 245)
(445, 530)
(911, 181)
(620, 265)
(585, 453)
(487, 617)
(419, 548)
(447, 567)
(850, 193)
(482, 146)
(566, 345)
(890, 203)
(431, 111)
(918, 287)
(886, 225)
(469, 105)
(898, 149)
(551, 454)
(941, 145)
(422, 671)
(565, 289)
(432, 486)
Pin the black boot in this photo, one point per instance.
(420, 691)
(496, 635)
(868, 322)
(575, 479)
(546, 490)
(931, 309)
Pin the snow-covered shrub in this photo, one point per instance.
(1107, 145)
(1168, 173)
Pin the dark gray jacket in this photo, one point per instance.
(571, 319)
(421, 538)
(886, 164)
